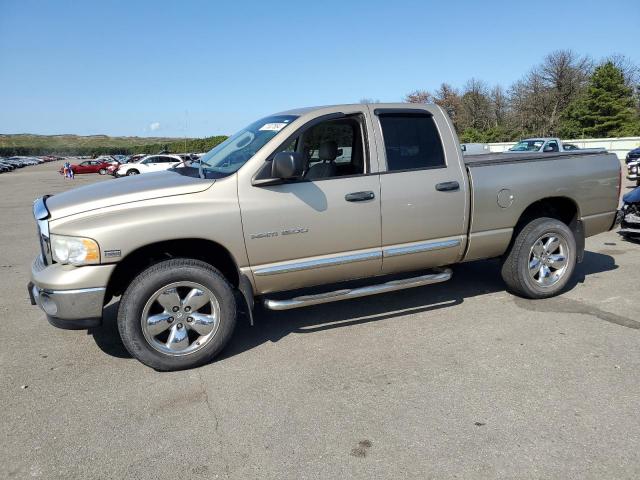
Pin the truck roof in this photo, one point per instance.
(305, 110)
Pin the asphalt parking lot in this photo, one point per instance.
(457, 380)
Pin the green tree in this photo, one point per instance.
(605, 109)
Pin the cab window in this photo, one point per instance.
(411, 141)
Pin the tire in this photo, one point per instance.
(133, 171)
(519, 264)
(102, 171)
(163, 352)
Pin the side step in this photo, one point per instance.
(345, 294)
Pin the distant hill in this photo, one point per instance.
(68, 144)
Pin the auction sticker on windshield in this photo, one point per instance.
(275, 127)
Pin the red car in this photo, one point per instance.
(90, 166)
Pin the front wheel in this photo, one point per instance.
(177, 314)
(541, 260)
(133, 171)
(102, 171)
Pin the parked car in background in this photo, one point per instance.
(548, 145)
(124, 160)
(29, 160)
(12, 163)
(633, 155)
(633, 171)
(15, 163)
(4, 162)
(151, 163)
(106, 159)
(630, 214)
(51, 158)
(89, 166)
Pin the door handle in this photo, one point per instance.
(448, 186)
(359, 196)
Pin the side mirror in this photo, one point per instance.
(548, 149)
(287, 165)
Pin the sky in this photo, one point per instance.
(202, 68)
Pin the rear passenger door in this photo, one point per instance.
(424, 189)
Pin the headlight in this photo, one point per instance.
(74, 250)
(634, 169)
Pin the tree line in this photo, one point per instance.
(567, 95)
(193, 145)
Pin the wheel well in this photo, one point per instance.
(211, 252)
(560, 208)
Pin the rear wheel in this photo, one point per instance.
(177, 314)
(541, 260)
(133, 171)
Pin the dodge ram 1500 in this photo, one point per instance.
(305, 207)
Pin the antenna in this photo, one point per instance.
(186, 127)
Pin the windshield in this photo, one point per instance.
(227, 157)
(527, 146)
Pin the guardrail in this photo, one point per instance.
(620, 146)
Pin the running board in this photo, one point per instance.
(345, 294)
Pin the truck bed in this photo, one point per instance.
(503, 185)
(512, 157)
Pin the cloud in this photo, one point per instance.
(154, 126)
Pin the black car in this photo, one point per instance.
(6, 167)
(630, 214)
(633, 155)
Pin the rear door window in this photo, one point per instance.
(411, 141)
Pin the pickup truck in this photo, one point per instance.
(304, 207)
(547, 145)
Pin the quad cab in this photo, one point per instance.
(310, 206)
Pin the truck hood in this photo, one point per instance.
(124, 190)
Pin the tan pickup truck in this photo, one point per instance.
(305, 207)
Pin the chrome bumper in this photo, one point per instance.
(61, 292)
(81, 308)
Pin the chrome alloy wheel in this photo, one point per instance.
(548, 259)
(180, 318)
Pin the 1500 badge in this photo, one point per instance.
(288, 231)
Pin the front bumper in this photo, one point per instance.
(70, 309)
(61, 292)
(629, 224)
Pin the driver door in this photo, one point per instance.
(321, 228)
